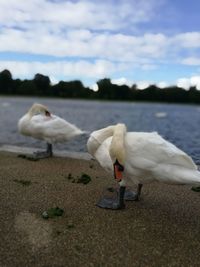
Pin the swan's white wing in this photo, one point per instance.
(52, 129)
(147, 150)
(149, 157)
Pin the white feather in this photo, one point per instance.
(51, 129)
(148, 157)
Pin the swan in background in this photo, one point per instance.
(160, 114)
(139, 158)
(39, 123)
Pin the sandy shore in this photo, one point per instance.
(163, 229)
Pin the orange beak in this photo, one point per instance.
(118, 171)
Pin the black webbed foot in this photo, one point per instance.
(28, 157)
(131, 196)
(114, 203)
(42, 154)
(110, 203)
(39, 154)
(36, 155)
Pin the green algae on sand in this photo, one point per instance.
(83, 179)
(52, 212)
(22, 182)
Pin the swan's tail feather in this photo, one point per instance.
(85, 132)
(79, 132)
(179, 175)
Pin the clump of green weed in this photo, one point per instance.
(196, 189)
(22, 182)
(52, 212)
(83, 179)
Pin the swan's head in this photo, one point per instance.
(38, 109)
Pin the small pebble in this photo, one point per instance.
(45, 215)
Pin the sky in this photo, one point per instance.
(129, 41)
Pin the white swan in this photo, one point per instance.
(39, 123)
(160, 115)
(139, 158)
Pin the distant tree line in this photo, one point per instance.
(40, 85)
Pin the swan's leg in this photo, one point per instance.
(44, 154)
(133, 196)
(39, 154)
(118, 203)
(113, 203)
(129, 195)
(50, 149)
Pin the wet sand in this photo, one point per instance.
(163, 229)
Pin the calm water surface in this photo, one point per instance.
(181, 125)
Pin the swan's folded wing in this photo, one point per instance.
(147, 150)
(53, 129)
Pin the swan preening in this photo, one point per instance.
(139, 158)
(39, 123)
(134, 157)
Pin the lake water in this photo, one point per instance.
(179, 124)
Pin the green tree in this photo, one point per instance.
(28, 88)
(6, 82)
(42, 83)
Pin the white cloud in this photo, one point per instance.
(162, 84)
(188, 39)
(83, 69)
(53, 80)
(148, 67)
(79, 14)
(94, 87)
(194, 61)
(122, 81)
(85, 44)
(102, 37)
(195, 81)
(143, 84)
(145, 51)
(98, 69)
(186, 83)
(84, 29)
(89, 29)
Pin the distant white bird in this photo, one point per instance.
(160, 114)
(39, 123)
(139, 158)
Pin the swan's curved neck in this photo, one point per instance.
(97, 138)
(117, 149)
(104, 133)
(37, 109)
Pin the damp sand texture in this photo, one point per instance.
(163, 229)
